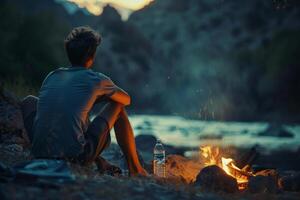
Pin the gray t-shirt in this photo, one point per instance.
(65, 100)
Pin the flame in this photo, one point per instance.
(210, 154)
(212, 157)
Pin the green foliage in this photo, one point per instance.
(20, 87)
(272, 73)
(174, 66)
(282, 52)
(30, 45)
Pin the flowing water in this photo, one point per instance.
(179, 131)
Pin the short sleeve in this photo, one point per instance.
(106, 85)
(107, 88)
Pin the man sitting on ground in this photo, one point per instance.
(76, 108)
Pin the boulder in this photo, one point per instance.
(264, 181)
(262, 184)
(214, 179)
(179, 167)
(276, 130)
(12, 130)
(290, 182)
(211, 137)
(145, 142)
(11, 154)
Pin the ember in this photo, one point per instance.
(213, 157)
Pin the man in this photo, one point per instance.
(77, 107)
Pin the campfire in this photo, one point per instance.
(213, 156)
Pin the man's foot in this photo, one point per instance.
(105, 167)
(139, 172)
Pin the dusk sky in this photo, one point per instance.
(125, 7)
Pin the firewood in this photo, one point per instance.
(247, 159)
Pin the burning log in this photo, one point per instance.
(261, 181)
(242, 175)
(248, 158)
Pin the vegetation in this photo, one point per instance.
(178, 61)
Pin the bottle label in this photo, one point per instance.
(160, 156)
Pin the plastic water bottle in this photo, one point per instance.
(159, 162)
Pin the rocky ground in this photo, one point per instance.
(86, 183)
(107, 187)
(89, 184)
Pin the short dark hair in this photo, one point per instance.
(81, 44)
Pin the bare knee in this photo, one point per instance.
(115, 104)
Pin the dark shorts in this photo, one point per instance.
(97, 139)
(97, 136)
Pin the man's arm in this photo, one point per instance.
(120, 96)
(115, 93)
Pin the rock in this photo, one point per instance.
(145, 142)
(173, 128)
(110, 14)
(211, 137)
(12, 130)
(78, 195)
(264, 181)
(5, 172)
(182, 168)
(114, 155)
(276, 130)
(262, 184)
(213, 178)
(290, 182)
(14, 148)
(11, 154)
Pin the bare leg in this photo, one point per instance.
(97, 135)
(116, 116)
(125, 139)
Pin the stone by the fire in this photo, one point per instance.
(12, 129)
(262, 184)
(290, 182)
(213, 178)
(183, 168)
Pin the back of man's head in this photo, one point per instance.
(81, 45)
